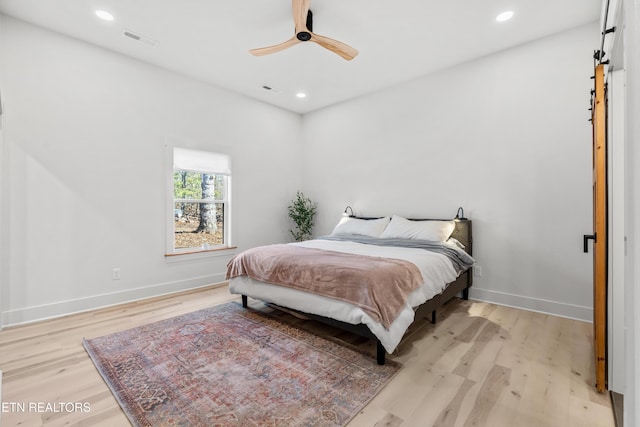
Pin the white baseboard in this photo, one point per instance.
(62, 308)
(533, 304)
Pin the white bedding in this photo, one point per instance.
(437, 270)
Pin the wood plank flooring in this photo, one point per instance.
(480, 365)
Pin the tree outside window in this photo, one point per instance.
(200, 200)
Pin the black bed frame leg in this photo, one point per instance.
(244, 301)
(380, 353)
(465, 293)
(433, 317)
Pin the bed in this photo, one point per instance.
(370, 276)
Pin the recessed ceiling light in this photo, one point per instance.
(301, 95)
(103, 14)
(505, 16)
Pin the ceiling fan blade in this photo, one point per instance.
(300, 11)
(342, 49)
(276, 48)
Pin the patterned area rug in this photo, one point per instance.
(230, 366)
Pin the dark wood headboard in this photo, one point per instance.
(463, 234)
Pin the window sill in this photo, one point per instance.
(200, 254)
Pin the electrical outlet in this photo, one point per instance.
(477, 271)
(115, 274)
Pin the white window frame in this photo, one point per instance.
(197, 252)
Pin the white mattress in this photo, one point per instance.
(437, 270)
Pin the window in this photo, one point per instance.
(200, 205)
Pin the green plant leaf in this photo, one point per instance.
(302, 211)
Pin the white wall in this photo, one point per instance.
(625, 16)
(632, 205)
(506, 136)
(84, 135)
(4, 247)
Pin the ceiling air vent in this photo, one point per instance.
(139, 38)
(270, 89)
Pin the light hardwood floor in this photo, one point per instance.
(480, 365)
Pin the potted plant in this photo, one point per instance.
(301, 211)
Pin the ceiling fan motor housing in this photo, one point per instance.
(304, 36)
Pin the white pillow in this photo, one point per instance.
(364, 227)
(438, 231)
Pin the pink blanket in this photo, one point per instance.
(379, 286)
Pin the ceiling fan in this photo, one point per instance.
(303, 20)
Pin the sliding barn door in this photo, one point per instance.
(599, 121)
